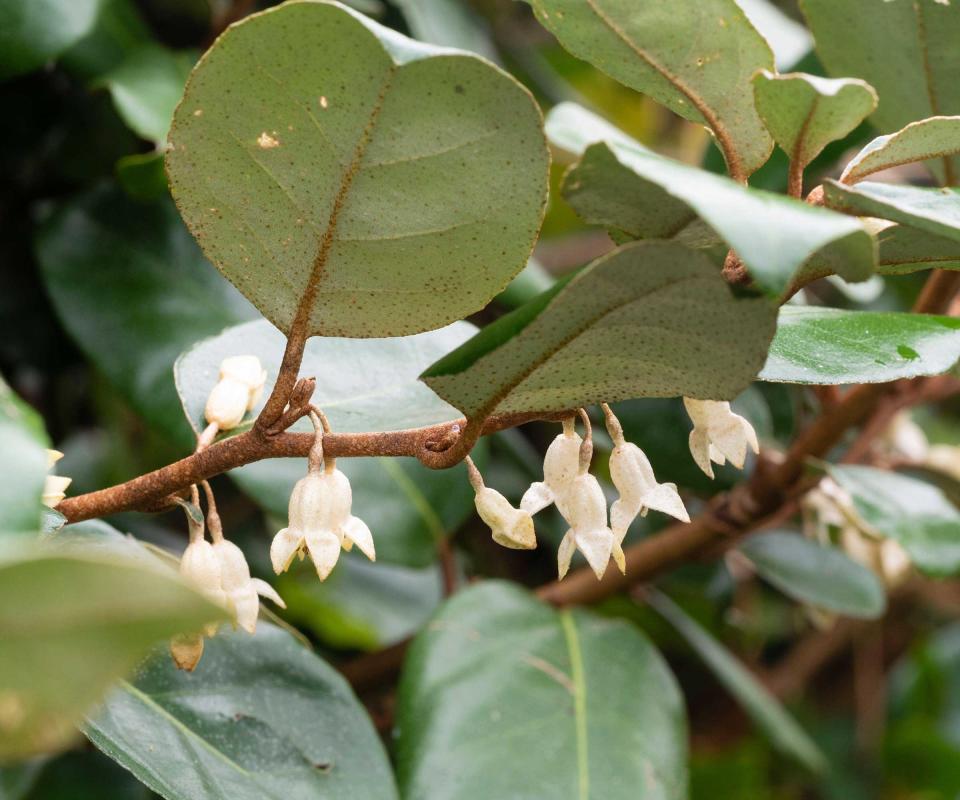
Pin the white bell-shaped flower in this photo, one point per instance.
(560, 465)
(321, 523)
(718, 434)
(238, 390)
(510, 527)
(54, 486)
(633, 477)
(201, 567)
(240, 589)
(584, 507)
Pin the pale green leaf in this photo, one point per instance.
(818, 575)
(914, 513)
(934, 210)
(70, 625)
(905, 49)
(904, 249)
(375, 185)
(804, 113)
(830, 346)
(936, 137)
(503, 696)
(362, 384)
(789, 40)
(450, 23)
(620, 184)
(763, 707)
(261, 718)
(695, 56)
(23, 469)
(34, 31)
(146, 87)
(650, 319)
(133, 290)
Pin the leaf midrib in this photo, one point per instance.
(579, 702)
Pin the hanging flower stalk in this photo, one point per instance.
(510, 527)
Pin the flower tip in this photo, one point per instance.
(282, 550)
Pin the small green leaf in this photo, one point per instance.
(362, 384)
(503, 696)
(904, 249)
(688, 336)
(804, 113)
(261, 718)
(936, 137)
(133, 290)
(815, 574)
(391, 186)
(34, 31)
(621, 184)
(763, 707)
(830, 346)
(146, 87)
(906, 50)
(695, 56)
(23, 469)
(72, 623)
(915, 514)
(935, 211)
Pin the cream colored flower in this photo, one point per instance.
(560, 465)
(584, 507)
(201, 567)
(240, 589)
(944, 458)
(633, 477)
(54, 486)
(321, 523)
(718, 434)
(903, 437)
(510, 527)
(238, 390)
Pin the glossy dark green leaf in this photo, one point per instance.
(73, 622)
(407, 506)
(766, 711)
(804, 113)
(935, 211)
(830, 346)
(661, 49)
(394, 186)
(362, 384)
(925, 139)
(34, 31)
(23, 468)
(565, 349)
(261, 718)
(904, 249)
(134, 291)
(620, 184)
(146, 87)
(914, 513)
(906, 50)
(503, 696)
(815, 574)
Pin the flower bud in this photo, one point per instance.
(510, 527)
(237, 392)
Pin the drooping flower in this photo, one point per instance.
(237, 391)
(718, 434)
(321, 523)
(240, 589)
(510, 527)
(633, 477)
(560, 465)
(54, 486)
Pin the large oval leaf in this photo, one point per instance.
(261, 718)
(914, 513)
(830, 346)
(815, 574)
(619, 183)
(70, 625)
(662, 49)
(133, 290)
(906, 50)
(503, 696)
(330, 167)
(362, 384)
(651, 319)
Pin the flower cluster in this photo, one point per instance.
(320, 516)
(718, 435)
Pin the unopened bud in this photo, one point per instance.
(237, 392)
